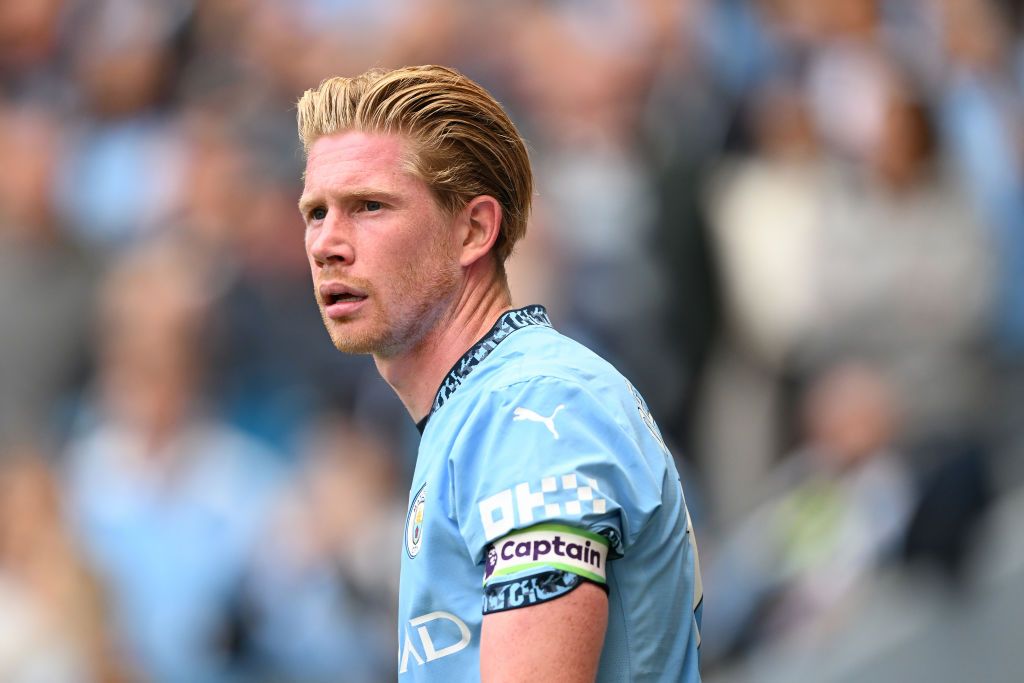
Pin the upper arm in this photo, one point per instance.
(558, 641)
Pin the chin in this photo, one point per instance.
(382, 339)
(345, 337)
(359, 342)
(353, 344)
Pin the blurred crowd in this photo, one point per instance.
(796, 225)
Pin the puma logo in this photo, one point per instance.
(520, 414)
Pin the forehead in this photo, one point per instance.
(356, 158)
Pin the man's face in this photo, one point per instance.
(383, 254)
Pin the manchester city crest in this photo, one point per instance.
(414, 523)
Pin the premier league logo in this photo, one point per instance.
(414, 523)
(492, 562)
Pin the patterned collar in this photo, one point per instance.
(509, 322)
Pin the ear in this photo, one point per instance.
(481, 225)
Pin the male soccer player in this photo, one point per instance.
(547, 537)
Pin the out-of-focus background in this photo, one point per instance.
(796, 225)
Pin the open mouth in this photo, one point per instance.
(340, 300)
(343, 297)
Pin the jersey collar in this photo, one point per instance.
(509, 322)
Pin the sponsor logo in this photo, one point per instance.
(566, 496)
(520, 414)
(414, 523)
(440, 634)
(551, 545)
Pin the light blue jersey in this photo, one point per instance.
(540, 467)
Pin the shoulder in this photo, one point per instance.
(538, 375)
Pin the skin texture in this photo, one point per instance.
(556, 642)
(431, 288)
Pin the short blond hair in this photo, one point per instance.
(464, 144)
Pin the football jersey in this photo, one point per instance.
(540, 467)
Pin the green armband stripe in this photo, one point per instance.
(554, 565)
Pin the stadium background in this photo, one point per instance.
(798, 226)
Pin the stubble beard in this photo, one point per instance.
(411, 306)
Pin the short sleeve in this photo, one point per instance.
(550, 467)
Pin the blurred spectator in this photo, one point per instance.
(30, 45)
(840, 507)
(847, 77)
(766, 212)
(168, 502)
(877, 254)
(903, 271)
(54, 624)
(321, 598)
(122, 174)
(982, 107)
(46, 282)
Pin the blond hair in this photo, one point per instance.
(464, 144)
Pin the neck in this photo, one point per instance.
(416, 374)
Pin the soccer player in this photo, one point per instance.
(547, 537)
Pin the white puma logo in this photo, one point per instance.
(527, 414)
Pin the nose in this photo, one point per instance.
(330, 242)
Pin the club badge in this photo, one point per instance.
(414, 523)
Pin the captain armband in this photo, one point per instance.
(541, 563)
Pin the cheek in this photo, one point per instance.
(403, 251)
(307, 245)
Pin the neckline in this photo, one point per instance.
(507, 323)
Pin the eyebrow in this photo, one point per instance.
(305, 203)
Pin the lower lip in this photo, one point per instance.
(342, 309)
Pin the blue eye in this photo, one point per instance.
(371, 205)
(318, 214)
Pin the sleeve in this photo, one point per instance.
(549, 485)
